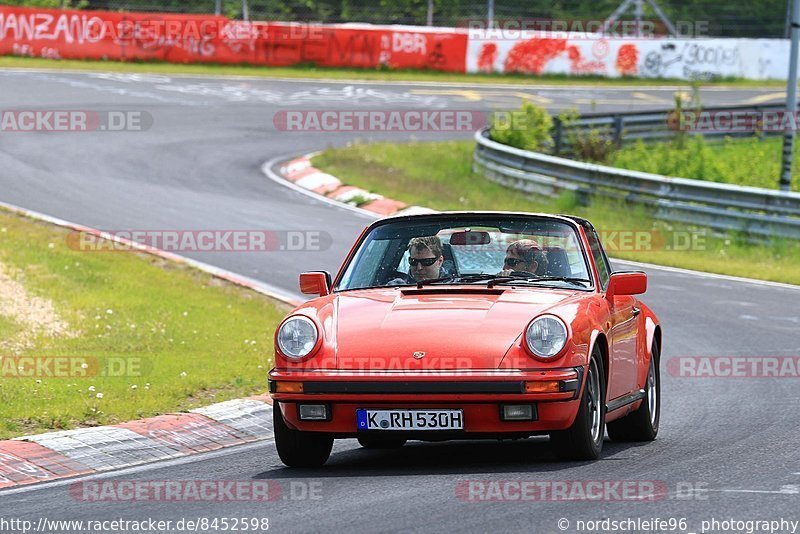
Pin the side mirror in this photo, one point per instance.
(315, 283)
(626, 283)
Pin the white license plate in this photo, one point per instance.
(410, 419)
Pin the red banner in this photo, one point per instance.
(182, 38)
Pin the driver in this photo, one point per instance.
(425, 258)
(524, 255)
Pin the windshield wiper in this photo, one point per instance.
(571, 280)
(468, 278)
(483, 276)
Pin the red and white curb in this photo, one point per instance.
(70, 453)
(302, 174)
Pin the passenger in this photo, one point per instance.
(526, 256)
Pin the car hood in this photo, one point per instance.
(425, 329)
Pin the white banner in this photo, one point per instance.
(584, 54)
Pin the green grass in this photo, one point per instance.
(187, 339)
(746, 161)
(439, 176)
(307, 71)
(8, 328)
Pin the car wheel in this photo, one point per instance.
(380, 442)
(642, 425)
(297, 448)
(584, 439)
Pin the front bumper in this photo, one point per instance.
(480, 394)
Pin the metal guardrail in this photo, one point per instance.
(626, 127)
(723, 207)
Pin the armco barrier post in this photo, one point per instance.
(558, 135)
(791, 100)
(618, 130)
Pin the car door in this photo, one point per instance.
(622, 328)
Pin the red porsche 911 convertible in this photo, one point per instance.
(468, 326)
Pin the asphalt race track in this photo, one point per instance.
(198, 167)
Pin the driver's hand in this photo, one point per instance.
(505, 272)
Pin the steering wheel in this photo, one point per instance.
(394, 275)
(522, 274)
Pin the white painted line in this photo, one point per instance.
(227, 451)
(701, 274)
(293, 299)
(785, 490)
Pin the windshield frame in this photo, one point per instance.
(480, 218)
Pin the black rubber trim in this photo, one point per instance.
(414, 387)
(573, 384)
(630, 398)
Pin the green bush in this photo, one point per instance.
(528, 129)
(747, 161)
(595, 145)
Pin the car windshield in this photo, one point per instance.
(480, 250)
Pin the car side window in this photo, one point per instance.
(599, 256)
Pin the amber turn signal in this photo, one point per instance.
(545, 386)
(288, 387)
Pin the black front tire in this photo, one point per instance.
(584, 439)
(642, 425)
(380, 442)
(297, 448)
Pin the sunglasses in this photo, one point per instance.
(427, 262)
(513, 262)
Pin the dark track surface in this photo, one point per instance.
(198, 167)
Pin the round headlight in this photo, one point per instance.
(546, 336)
(297, 337)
